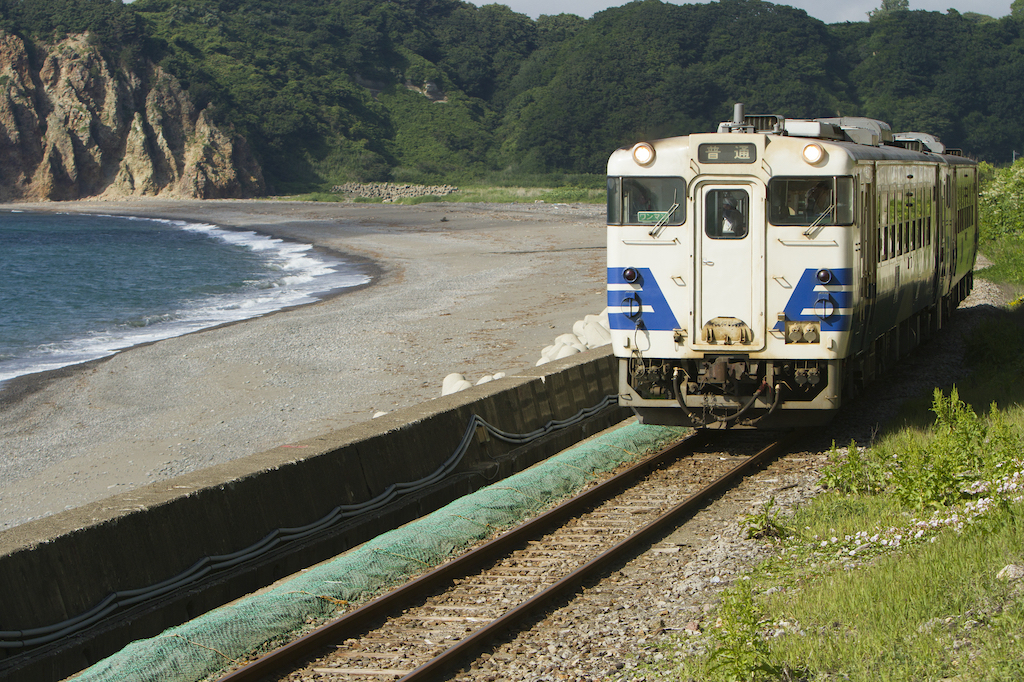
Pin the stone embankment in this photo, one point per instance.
(390, 191)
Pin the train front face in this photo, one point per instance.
(730, 278)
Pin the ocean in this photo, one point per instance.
(75, 288)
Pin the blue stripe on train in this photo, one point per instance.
(829, 305)
(645, 304)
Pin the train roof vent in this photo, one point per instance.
(765, 123)
(920, 142)
(813, 128)
(953, 151)
(861, 130)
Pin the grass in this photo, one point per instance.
(932, 611)
(891, 575)
(868, 584)
(1008, 262)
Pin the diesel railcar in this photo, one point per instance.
(760, 274)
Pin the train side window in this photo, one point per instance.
(881, 218)
(911, 224)
(902, 215)
(920, 206)
(726, 213)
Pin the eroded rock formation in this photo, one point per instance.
(73, 126)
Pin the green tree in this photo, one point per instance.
(319, 88)
(117, 26)
(649, 69)
(483, 48)
(889, 6)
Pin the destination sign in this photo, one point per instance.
(727, 153)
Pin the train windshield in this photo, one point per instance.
(646, 201)
(811, 201)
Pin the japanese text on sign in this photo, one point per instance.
(727, 153)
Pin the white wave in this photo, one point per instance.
(303, 276)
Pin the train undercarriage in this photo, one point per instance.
(735, 391)
(731, 391)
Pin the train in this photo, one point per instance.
(762, 274)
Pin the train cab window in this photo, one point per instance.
(646, 201)
(811, 201)
(726, 213)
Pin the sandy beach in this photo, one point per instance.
(469, 288)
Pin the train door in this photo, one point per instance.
(729, 310)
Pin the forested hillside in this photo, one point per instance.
(328, 91)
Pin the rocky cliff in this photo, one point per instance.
(73, 126)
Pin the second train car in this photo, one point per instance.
(759, 274)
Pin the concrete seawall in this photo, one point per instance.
(61, 566)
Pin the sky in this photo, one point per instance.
(829, 11)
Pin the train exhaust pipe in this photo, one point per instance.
(737, 113)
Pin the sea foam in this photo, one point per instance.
(292, 274)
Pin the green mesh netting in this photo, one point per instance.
(208, 644)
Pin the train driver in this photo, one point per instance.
(819, 200)
(732, 218)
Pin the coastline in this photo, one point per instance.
(345, 272)
(469, 288)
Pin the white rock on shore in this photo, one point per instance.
(593, 331)
(453, 383)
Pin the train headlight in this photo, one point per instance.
(814, 154)
(631, 275)
(824, 276)
(643, 153)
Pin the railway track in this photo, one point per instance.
(444, 619)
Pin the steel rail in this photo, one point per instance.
(571, 583)
(357, 621)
